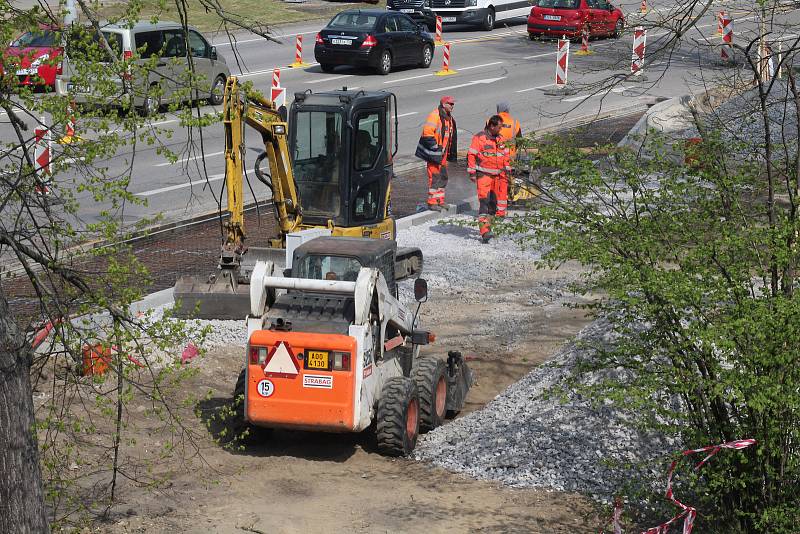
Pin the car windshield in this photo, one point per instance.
(353, 21)
(41, 38)
(560, 4)
(328, 268)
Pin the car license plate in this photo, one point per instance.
(406, 11)
(26, 72)
(317, 359)
(448, 19)
(341, 41)
(552, 17)
(77, 88)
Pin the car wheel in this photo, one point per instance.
(217, 91)
(618, 27)
(152, 101)
(326, 67)
(427, 56)
(385, 63)
(488, 20)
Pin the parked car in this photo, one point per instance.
(151, 87)
(35, 56)
(567, 17)
(419, 10)
(373, 38)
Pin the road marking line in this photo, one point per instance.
(603, 93)
(407, 114)
(184, 160)
(427, 75)
(466, 84)
(535, 88)
(283, 68)
(542, 55)
(332, 78)
(195, 183)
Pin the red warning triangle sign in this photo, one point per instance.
(281, 362)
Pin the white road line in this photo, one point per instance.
(479, 66)
(195, 183)
(167, 163)
(284, 70)
(540, 55)
(486, 81)
(169, 121)
(409, 78)
(534, 88)
(407, 114)
(604, 93)
(431, 74)
(332, 78)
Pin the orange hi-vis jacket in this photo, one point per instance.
(437, 144)
(509, 130)
(488, 155)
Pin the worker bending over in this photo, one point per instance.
(438, 145)
(488, 163)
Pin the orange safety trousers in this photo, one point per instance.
(437, 181)
(487, 201)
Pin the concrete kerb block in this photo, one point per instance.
(563, 90)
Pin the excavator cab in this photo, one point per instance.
(342, 144)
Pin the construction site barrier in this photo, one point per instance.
(562, 63)
(298, 54)
(719, 22)
(584, 51)
(637, 59)
(276, 77)
(42, 150)
(446, 70)
(438, 41)
(726, 52)
(643, 7)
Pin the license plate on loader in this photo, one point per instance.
(318, 359)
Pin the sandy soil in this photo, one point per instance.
(308, 482)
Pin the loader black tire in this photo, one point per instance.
(243, 430)
(429, 375)
(397, 425)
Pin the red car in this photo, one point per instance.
(558, 18)
(36, 57)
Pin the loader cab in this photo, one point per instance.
(342, 144)
(341, 258)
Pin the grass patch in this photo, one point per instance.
(265, 12)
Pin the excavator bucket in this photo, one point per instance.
(224, 294)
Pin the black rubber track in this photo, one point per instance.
(393, 440)
(426, 373)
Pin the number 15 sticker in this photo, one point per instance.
(266, 388)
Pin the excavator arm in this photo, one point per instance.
(260, 114)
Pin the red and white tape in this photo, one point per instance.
(687, 513)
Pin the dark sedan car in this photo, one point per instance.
(373, 38)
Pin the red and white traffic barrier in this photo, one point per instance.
(643, 7)
(298, 53)
(276, 77)
(719, 22)
(639, 42)
(438, 41)
(69, 136)
(41, 150)
(726, 52)
(446, 70)
(562, 63)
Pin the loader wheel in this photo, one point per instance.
(398, 417)
(429, 376)
(242, 430)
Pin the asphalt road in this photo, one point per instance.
(502, 65)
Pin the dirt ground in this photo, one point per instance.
(291, 482)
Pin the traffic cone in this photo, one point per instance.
(298, 54)
(584, 51)
(446, 70)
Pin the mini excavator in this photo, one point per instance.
(330, 167)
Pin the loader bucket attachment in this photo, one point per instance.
(226, 293)
(459, 380)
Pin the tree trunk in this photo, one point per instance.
(21, 499)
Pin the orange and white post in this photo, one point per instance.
(69, 136)
(446, 70)
(42, 150)
(298, 54)
(276, 77)
(719, 22)
(438, 41)
(643, 7)
(639, 42)
(562, 63)
(726, 52)
(584, 51)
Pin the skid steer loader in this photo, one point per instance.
(332, 348)
(329, 167)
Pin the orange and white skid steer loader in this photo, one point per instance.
(332, 348)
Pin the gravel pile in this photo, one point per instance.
(525, 439)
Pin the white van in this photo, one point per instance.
(167, 44)
(482, 13)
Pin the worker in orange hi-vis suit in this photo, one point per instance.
(488, 161)
(438, 145)
(510, 129)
